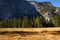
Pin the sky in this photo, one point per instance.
(54, 2)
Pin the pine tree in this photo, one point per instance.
(19, 23)
(11, 23)
(14, 23)
(30, 23)
(0, 24)
(33, 22)
(57, 20)
(25, 22)
(5, 23)
(38, 22)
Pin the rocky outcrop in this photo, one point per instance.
(46, 9)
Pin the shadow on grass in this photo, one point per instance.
(22, 33)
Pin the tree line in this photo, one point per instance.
(35, 22)
(21, 23)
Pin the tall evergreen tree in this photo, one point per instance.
(25, 22)
(38, 22)
(14, 23)
(1, 24)
(57, 20)
(19, 23)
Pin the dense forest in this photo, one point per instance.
(35, 22)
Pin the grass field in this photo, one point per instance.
(29, 33)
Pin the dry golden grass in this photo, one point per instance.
(30, 34)
(29, 29)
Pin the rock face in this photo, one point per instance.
(46, 9)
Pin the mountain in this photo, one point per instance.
(10, 9)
